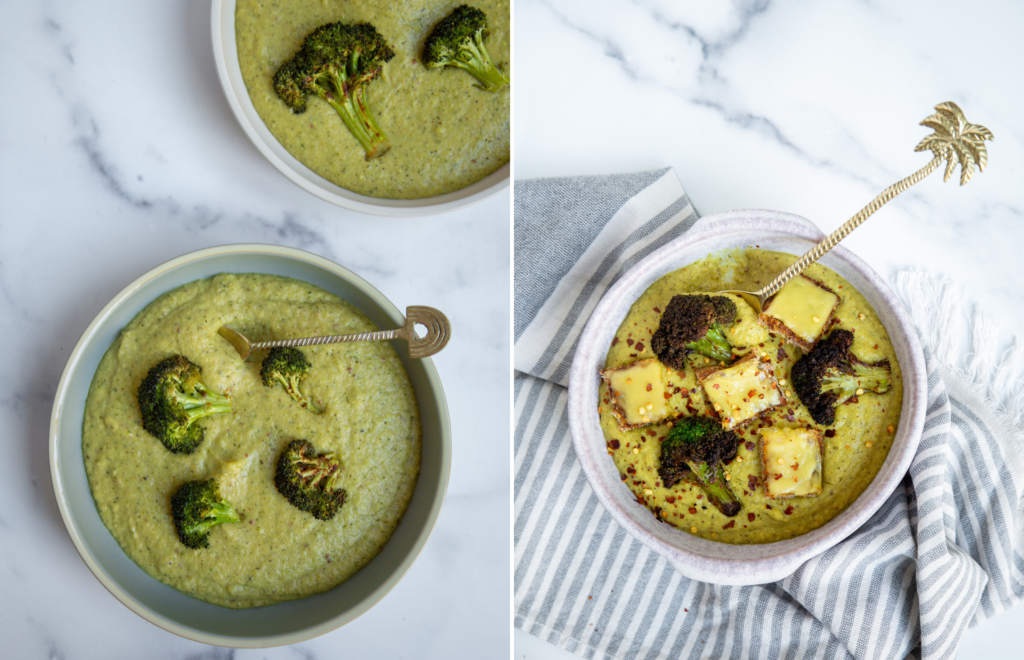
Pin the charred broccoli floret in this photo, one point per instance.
(831, 375)
(172, 398)
(458, 41)
(197, 507)
(336, 62)
(694, 323)
(308, 480)
(287, 367)
(696, 449)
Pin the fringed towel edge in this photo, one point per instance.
(936, 307)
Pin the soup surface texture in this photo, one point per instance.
(277, 552)
(855, 446)
(445, 132)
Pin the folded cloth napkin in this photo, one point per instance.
(942, 554)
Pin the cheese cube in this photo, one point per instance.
(791, 461)
(743, 391)
(800, 311)
(637, 392)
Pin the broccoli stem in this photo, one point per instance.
(713, 344)
(480, 65)
(222, 513)
(864, 377)
(208, 403)
(349, 101)
(291, 386)
(712, 480)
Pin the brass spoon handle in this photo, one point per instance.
(954, 140)
(833, 239)
(439, 331)
(331, 339)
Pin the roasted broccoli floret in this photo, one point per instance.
(308, 480)
(287, 367)
(172, 398)
(831, 375)
(197, 507)
(695, 449)
(336, 63)
(694, 323)
(458, 41)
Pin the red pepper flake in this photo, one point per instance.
(632, 355)
(693, 511)
(651, 432)
(729, 525)
(623, 476)
(629, 342)
(751, 392)
(657, 310)
(750, 447)
(751, 517)
(700, 497)
(667, 395)
(615, 340)
(876, 345)
(639, 346)
(606, 401)
(795, 465)
(789, 510)
(777, 476)
(830, 433)
(649, 387)
(715, 386)
(670, 499)
(630, 470)
(615, 443)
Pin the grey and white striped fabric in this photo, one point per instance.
(942, 554)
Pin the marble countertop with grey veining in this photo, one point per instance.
(118, 152)
(798, 106)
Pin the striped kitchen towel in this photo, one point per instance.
(942, 554)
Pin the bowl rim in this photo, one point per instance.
(703, 559)
(159, 620)
(225, 53)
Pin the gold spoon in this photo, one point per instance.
(954, 140)
(439, 331)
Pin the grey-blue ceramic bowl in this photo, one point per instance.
(285, 623)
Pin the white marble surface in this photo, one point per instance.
(799, 106)
(118, 152)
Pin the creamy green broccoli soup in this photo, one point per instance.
(445, 132)
(854, 447)
(276, 552)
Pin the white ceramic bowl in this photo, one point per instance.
(225, 52)
(285, 623)
(692, 556)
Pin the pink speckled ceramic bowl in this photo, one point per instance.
(692, 556)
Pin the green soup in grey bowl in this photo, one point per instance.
(282, 623)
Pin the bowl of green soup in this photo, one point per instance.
(277, 573)
(624, 400)
(449, 138)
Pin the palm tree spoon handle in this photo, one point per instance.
(955, 140)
